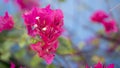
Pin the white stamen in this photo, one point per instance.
(47, 50)
(26, 13)
(44, 29)
(37, 17)
(35, 25)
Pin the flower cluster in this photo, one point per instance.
(6, 22)
(27, 4)
(47, 24)
(99, 65)
(104, 18)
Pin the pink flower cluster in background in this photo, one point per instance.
(104, 19)
(6, 22)
(27, 4)
(99, 65)
(12, 65)
(47, 24)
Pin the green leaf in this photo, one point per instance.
(5, 56)
(35, 61)
(78, 58)
(4, 65)
(20, 54)
(23, 40)
(51, 66)
(65, 46)
(62, 0)
(3, 36)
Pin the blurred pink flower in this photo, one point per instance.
(6, 1)
(12, 65)
(103, 18)
(99, 16)
(110, 26)
(6, 22)
(99, 65)
(27, 4)
(110, 66)
(87, 66)
(46, 51)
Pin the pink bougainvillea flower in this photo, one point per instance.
(103, 18)
(27, 4)
(12, 65)
(45, 22)
(110, 26)
(46, 51)
(6, 22)
(100, 65)
(87, 66)
(99, 16)
(110, 66)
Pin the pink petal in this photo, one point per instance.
(99, 65)
(110, 26)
